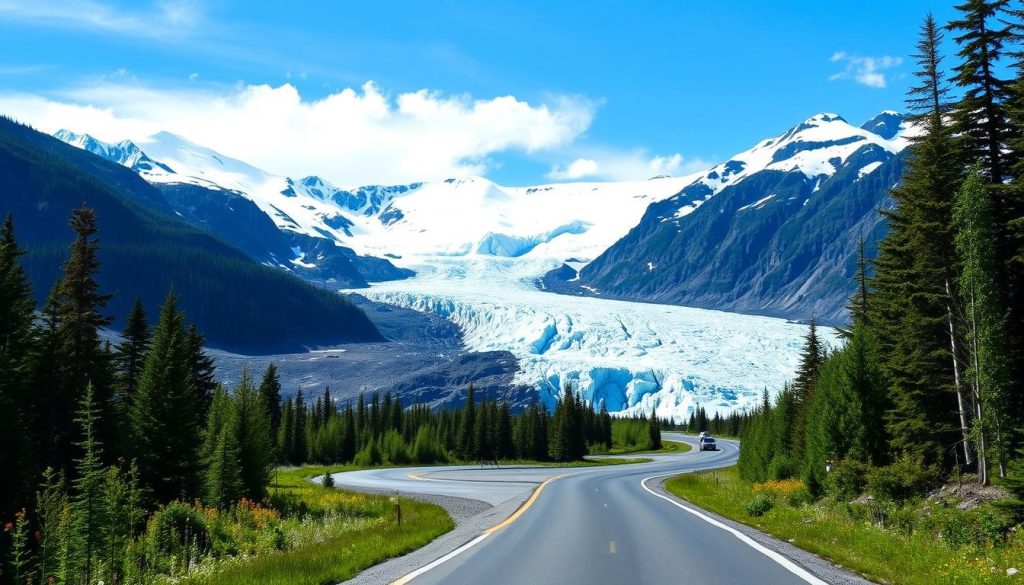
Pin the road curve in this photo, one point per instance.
(595, 525)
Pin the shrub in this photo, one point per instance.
(781, 467)
(178, 526)
(759, 505)
(328, 479)
(904, 479)
(847, 479)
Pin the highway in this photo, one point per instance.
(595, 525)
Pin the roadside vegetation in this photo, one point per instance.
(920, 541)
(900, 453)
(128, 463)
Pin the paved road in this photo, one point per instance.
(603, 525)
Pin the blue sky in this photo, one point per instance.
(517, 91)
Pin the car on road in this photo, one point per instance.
(706, 443)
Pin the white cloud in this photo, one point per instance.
(629, 165)
(577, 169)
(355, 136)
(869, 71)
(162, 19)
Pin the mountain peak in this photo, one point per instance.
(886, 124)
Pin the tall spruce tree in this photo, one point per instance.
(811, 357)
(129, 356)
(912, 304)
(255, 446)
(466, 442)
(204, 376)
(270, 394)
(16, 346)
(88, 514)
(165, 412)
(79, 319)
(222, 483)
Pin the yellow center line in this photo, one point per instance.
(526, 505)
(519, 512)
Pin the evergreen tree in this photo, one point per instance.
(299, 445)
(286, 434)
(252, 432)
(270, 394)
(654, 430)
(165, 412)
(466, 445)
(222, 484)
(130, 355)
(980, 116)
(204, 379)
(51, 501)
(16, 346)
(912, 305)
(811, 358)
(88, 514)
(78, 306)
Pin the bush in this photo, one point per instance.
(178, 526)
(781, 467)
(328, 479)
(847, 479)
(904, 479)
(759, 505)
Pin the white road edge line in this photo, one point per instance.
(442, 560)
(773, 555)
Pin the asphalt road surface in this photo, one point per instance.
(597, 525)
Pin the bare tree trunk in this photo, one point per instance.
(961, 404)
(982, 455)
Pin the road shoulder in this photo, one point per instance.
(472, 518)
(816, 565)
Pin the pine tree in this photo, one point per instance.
(51, 501)
(165, 412)
(130, 355)
(222, 482)
(252, 432)
(811, 357)
(980, 116)
(466, 445)
(286, 434)
(16, 346)
(270, 394)
(654, 431)
(299, 445)
(204, 377)
(88, 514)
(74, 321)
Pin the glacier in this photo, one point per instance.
(632, 356)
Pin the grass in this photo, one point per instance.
(827, 528)
(335, 548)
(667, 446)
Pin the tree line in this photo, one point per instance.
(928, 380)
(112, 449)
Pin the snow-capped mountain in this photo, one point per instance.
(769, 231)
(466, 217)
(772, 231)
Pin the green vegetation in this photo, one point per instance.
(127, 463)
(915, 543)
(330, 535)
(927, 384)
